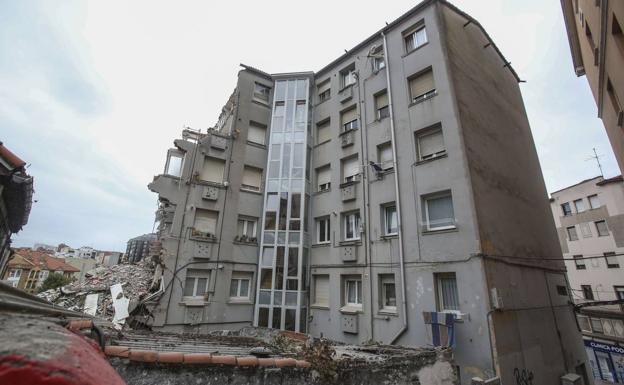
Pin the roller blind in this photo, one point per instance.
(421, 84)
(252, 177)
(206, 221)
(381, 100)
(323, 175)
(323, 87)
(348, 116)
(212, 170)
(430, 144)
(324, 133)
(256, 134)
(321, 290)
(350, 167)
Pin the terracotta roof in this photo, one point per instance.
(10, 158)
(46, 261)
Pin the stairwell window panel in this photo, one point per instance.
(421, 86)
(321, 290)
(430, 145)
(448, 295)
(213, 170)
(439, 214)
(205, 221)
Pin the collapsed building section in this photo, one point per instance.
(395, 196)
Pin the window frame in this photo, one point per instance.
(351, 124)
(239, 277)
(385, 165)
(581, 324)
(570, 234)
(439, 292)
(579, 262)
(258, 126)
(415, 99)
(319, 224)
(386, 207)
(359, 293)
(379, 115)
(600, 234)
(356, 226)
(596, 199)
(426, 199)
(588, 292)
(563, 209)
(324, 186)
(175, 154)
(347, 73)
(582, 205)
(246, 221)
(610, 265)
(248, 187)
(315, 302)
(259, 96)
(385, 280)
(434, 130)
(196, 279)
(411, 35)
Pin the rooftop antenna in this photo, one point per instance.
(597, 158)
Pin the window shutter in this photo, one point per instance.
(324, 87)
(324, 133)
(321, 292)
(381, 100)
(206, 221)
(252, 177)
(385, 155)
(213, 170)
(256, 134)
(421, 84)
(323, 175)
(350, 167)
(430, 144)
(348, 116)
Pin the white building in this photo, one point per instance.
(86, 252)
(590, 222)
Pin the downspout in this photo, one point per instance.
(397, 193)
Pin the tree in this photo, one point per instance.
(53, 281)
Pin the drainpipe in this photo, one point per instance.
(397, 193)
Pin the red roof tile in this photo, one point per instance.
(13, 160)
(46, 261)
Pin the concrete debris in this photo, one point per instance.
(91, 304)
(135, 279)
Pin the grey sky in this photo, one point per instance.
(93, 93)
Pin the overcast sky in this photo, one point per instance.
(93, 93)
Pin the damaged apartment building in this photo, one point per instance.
(397, 183)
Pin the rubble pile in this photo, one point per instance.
(135, 279)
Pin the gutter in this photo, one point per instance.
(397, 193)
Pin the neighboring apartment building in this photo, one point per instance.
(138, 247)
(590, 221)
(16, 189)
(594, 29)
(27, 269)
(86, 252)
(400, 179)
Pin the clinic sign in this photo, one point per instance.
(605, 347)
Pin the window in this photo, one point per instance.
(323, 178)
(616, 31)
(323, 134)
(584, 323)
(596, 325)
(615, 102)
(321, 291)
(348, 120)
(353, 292)
(213, 170)
(378, 59)
(594, 203)
(579, 205)
(205, 222)
(239, 285)
(196, 283)
(246, 229)
(567, 210)
(381, 105)
(384, 156)
(256, 133)
(619, 294)
(16, 273)
(351, 226)
(579, 262)
(390, 220)
(347, 76)
(587, 292)
(350, 169)
(585, 230)
(572, 236)
(252, 178)
(612, 260)
(261, 92)
(323, 230)
(415, 38)
(601, 227)
(430, 144)
(592, 45)
(562, 290)
(448, 295)
(422, 86)
(438, 212)
(174, 163)
(324, 91)
(387, 293)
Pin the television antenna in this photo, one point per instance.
(596, 157)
